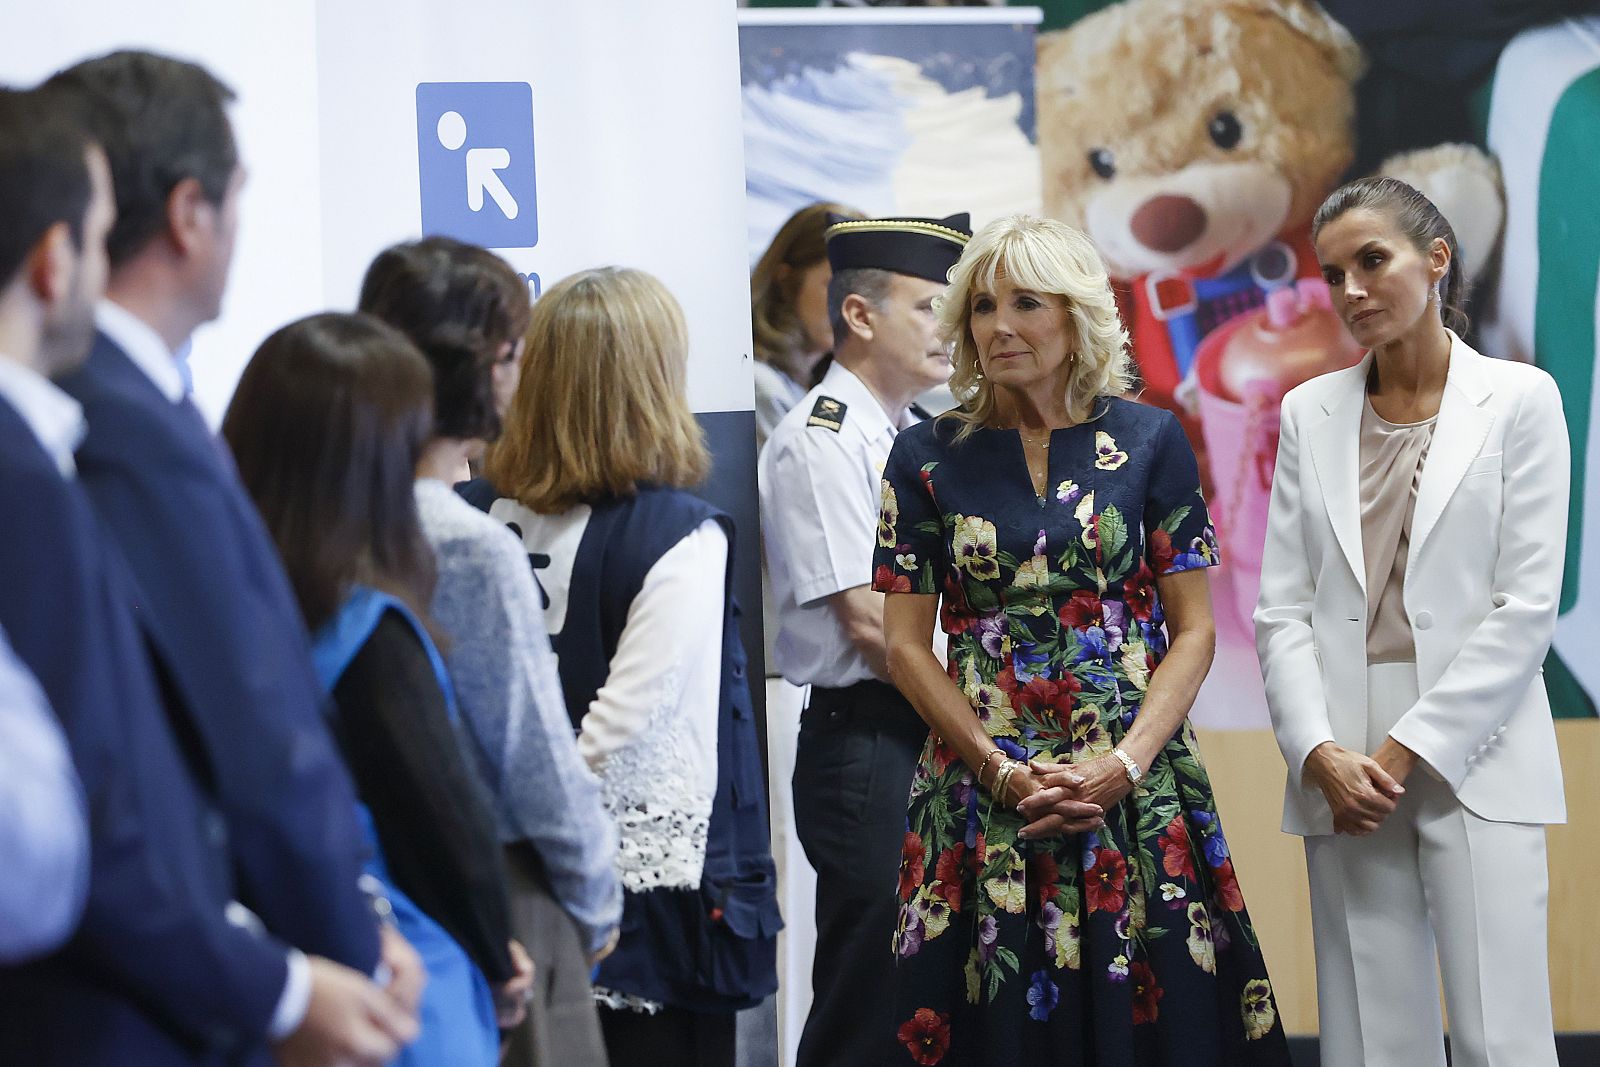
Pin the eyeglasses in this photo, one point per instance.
(512, 355)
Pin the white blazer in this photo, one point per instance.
(1482, 584)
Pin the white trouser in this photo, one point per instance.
(1433, 874)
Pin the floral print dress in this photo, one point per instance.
(1126, 946)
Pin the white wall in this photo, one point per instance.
(267, 54)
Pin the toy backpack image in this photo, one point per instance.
(1193, 141)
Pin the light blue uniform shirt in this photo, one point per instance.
(44, 840)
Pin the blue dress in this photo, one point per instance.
(1129, 945)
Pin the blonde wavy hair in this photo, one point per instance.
(601, 406)
(1048, 257)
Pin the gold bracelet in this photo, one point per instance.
(1015, 766)
(1002, 778)
(985, 764)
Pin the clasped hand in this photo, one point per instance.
(1360, 790)
(511, 999)
(1067, 798)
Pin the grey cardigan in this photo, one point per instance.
(511, 701)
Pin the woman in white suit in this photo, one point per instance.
(1408, 595)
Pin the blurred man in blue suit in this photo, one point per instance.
(211, 593)
(161, 971)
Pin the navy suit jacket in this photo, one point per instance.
(156, 974)
(215, 597)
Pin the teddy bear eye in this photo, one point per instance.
(1225, 130)
(1103, 163)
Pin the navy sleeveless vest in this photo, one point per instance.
(713, 949)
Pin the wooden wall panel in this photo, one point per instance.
(1248, 774)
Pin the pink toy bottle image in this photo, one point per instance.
(1243, 370)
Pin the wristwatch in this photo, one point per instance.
(1134, 773)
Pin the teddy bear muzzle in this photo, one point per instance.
(1168, 223)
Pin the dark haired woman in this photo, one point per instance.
(328, 423)
(466, 310)
(1408, 596)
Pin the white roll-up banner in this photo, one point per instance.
(561, 135)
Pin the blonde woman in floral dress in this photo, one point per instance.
(1067, 895)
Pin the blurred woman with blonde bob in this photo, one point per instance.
(1067, 895)
(592, 471)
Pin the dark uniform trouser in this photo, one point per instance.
(857, 750)
(671, 1037)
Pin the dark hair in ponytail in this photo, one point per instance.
(1416, 217)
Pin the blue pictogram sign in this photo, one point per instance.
(475, 157)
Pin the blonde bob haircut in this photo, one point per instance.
(1050, 258)
(601, 406)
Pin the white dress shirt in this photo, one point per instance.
(650, 733)
(143, 346)
(54, 417)
(821, 479)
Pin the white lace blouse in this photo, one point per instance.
(650, 733)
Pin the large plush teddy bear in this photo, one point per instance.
(1193, 140)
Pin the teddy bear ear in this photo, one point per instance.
(1308, 18)
(1053, 68)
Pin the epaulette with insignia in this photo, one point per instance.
(828, 413)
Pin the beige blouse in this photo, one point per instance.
(1391, 468)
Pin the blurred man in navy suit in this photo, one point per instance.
(161, 970)
(212, 597)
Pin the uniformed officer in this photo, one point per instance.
(859, 739)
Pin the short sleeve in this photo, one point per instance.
(1178, 531)
(909, 556)
(821, 530)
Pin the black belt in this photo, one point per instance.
(866, 703)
